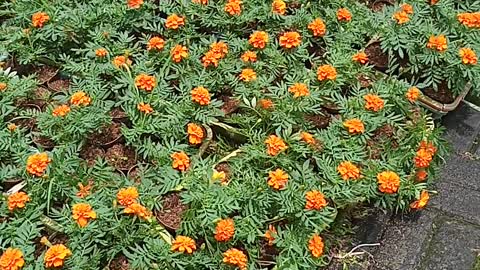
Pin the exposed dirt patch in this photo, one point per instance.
(230, 105)
(365, 80)
(118, 115)
(268, 254)
(121, 157)
(443, 94)
(44, 142)
(45, 73)
(107, 135)
(377, 57)
(320, 121)
(383, 138)
(91, 153)
(120, 262)
(60, 85)
(172, 210)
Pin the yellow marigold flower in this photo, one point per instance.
(360, 57)
(413, 94)
(279, 7)
(315, 200)
(438, 43)
(401, 17)
(315, 245)
(270, 235)
(101, 52)
(373, 102)
(248, 75)
(155, 43)
(220, 175)
(235, 257)
(181, 161)
(12, 259)
(275, 145)
(82, 213)
(348, 170)
(127, 196)
(344, 14)
(258, 39)
(299, 90)
(183, 244)
(233, 7)
(39, 19)
(17, 200)
(317, 27)
(174, 22)
(134, 4)
(326, 72)
(121, 61)
(224, 230)
(277, 179)
(56, 255)
(388, 182)
(144, 108)
(37, 164)
(11, 127)
(201, 95)
(422, 202)
(354, 126)
(80, 98)
(145, 82)
(138, 210)
(468, 56)
(61, 110)
(249, 56)
(178, 53)
(195, 133)
(290, 40)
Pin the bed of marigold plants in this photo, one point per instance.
(217, 134)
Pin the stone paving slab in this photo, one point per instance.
(463, 126)
(462, 171)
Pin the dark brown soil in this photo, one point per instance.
(60, 85)
(44, 142)
(57, 238)
(9, 183)
(29, 123)
(268, 254)
(365, 80)
(443, 94)
(45, 73)
(118, 115)
(223, 167)
(121, 157)
(134, 174)
(91, 153)
(382, 138)
(107, 135)
(376, 56)
(119, 263)
(230, 105)
(41, 96)
(172, 210)
(331, 108)
(320, 121)
(378, 5)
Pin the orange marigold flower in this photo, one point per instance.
(127, 196)
(401, 17)
(471, 20)
(101, 52)
(138, 210)
(183, 244)
(145, 82)
(438, 43)
(84, 191)
(308, 138)
(210, 59)
(39, 19)
(12, 259)
(413, 94)
(235, 257)
(299, 90)
(178, 53)
(82, 213)
(174, 22)
(144, 108)
(80, 98)
(270, 235)
(279, 7)
(407, 8)
(134, 4)
(155, 43)
(315, 200)
(373, 102)
(315, 245)
(266, 103)
(354, 126)
(233, 7)
(468, 56)
(37, 163)
(433, 2)
(195, 133)
(3, 86)
(428, 146)
(422, 202)
(61, 110)
(181, 161)
(348, 170)
(249, 56)
(17, 200)
(317, 27)
(275, 145)
(360, 57)
(277, 179)
(248, 75)
(219, 48)
(11, 127)
(201, 95)
(423, 158)
(421, 175)
(326, 72)
(203, 2)
(121, 61)
(56, 255)
(344, 14)
(290, 40)
(258, 39)
(225, 230)
(388, 182)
